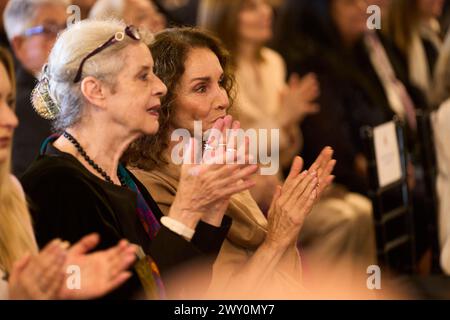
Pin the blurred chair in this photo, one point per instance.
(394, 222)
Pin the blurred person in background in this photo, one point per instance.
(363, 83)
(263, 98)
(414, 28)
(85, 6)
(340, 226)
(328, 38)
(140, 13)
(441, 126)
(180, 12)
(32, 27)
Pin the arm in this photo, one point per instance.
(290, 206)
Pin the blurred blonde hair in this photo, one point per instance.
(402, 20)
(16, 235)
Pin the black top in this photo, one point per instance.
(184, 15)
(68, 202)
(4, 40)
(32, 129)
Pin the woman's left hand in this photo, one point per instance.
(205, 188)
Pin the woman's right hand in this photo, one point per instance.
(290, 206)
(205, 189)
(39, 277)
(293, 202)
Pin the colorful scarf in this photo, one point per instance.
(151, 226)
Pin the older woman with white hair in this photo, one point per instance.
(26, 273)
(141, 13)
(101, 92)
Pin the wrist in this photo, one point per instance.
(185, 216)
(214, 220)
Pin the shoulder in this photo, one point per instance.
(54, 177)
(52, 168)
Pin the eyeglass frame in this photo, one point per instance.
(130, 31)
(42, 29)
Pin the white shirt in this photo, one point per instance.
(4, 292)
(441, 126)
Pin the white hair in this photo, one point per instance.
(103, 9)
(20, 14)
(74, 44)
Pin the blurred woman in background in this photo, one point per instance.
(441, 126)
(414, 28)
(263, 98)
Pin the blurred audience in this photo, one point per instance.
(263, 99)
(32, 27)
(140, 13)
(180, 12)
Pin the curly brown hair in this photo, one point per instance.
(170, 50)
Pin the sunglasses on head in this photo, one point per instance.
(130, 31)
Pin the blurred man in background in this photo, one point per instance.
(31, 27)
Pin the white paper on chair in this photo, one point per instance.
(387, 154)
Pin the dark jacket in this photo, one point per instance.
(69, 202)
(184, 15)
(32, 129)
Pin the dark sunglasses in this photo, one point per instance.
(130, 31)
